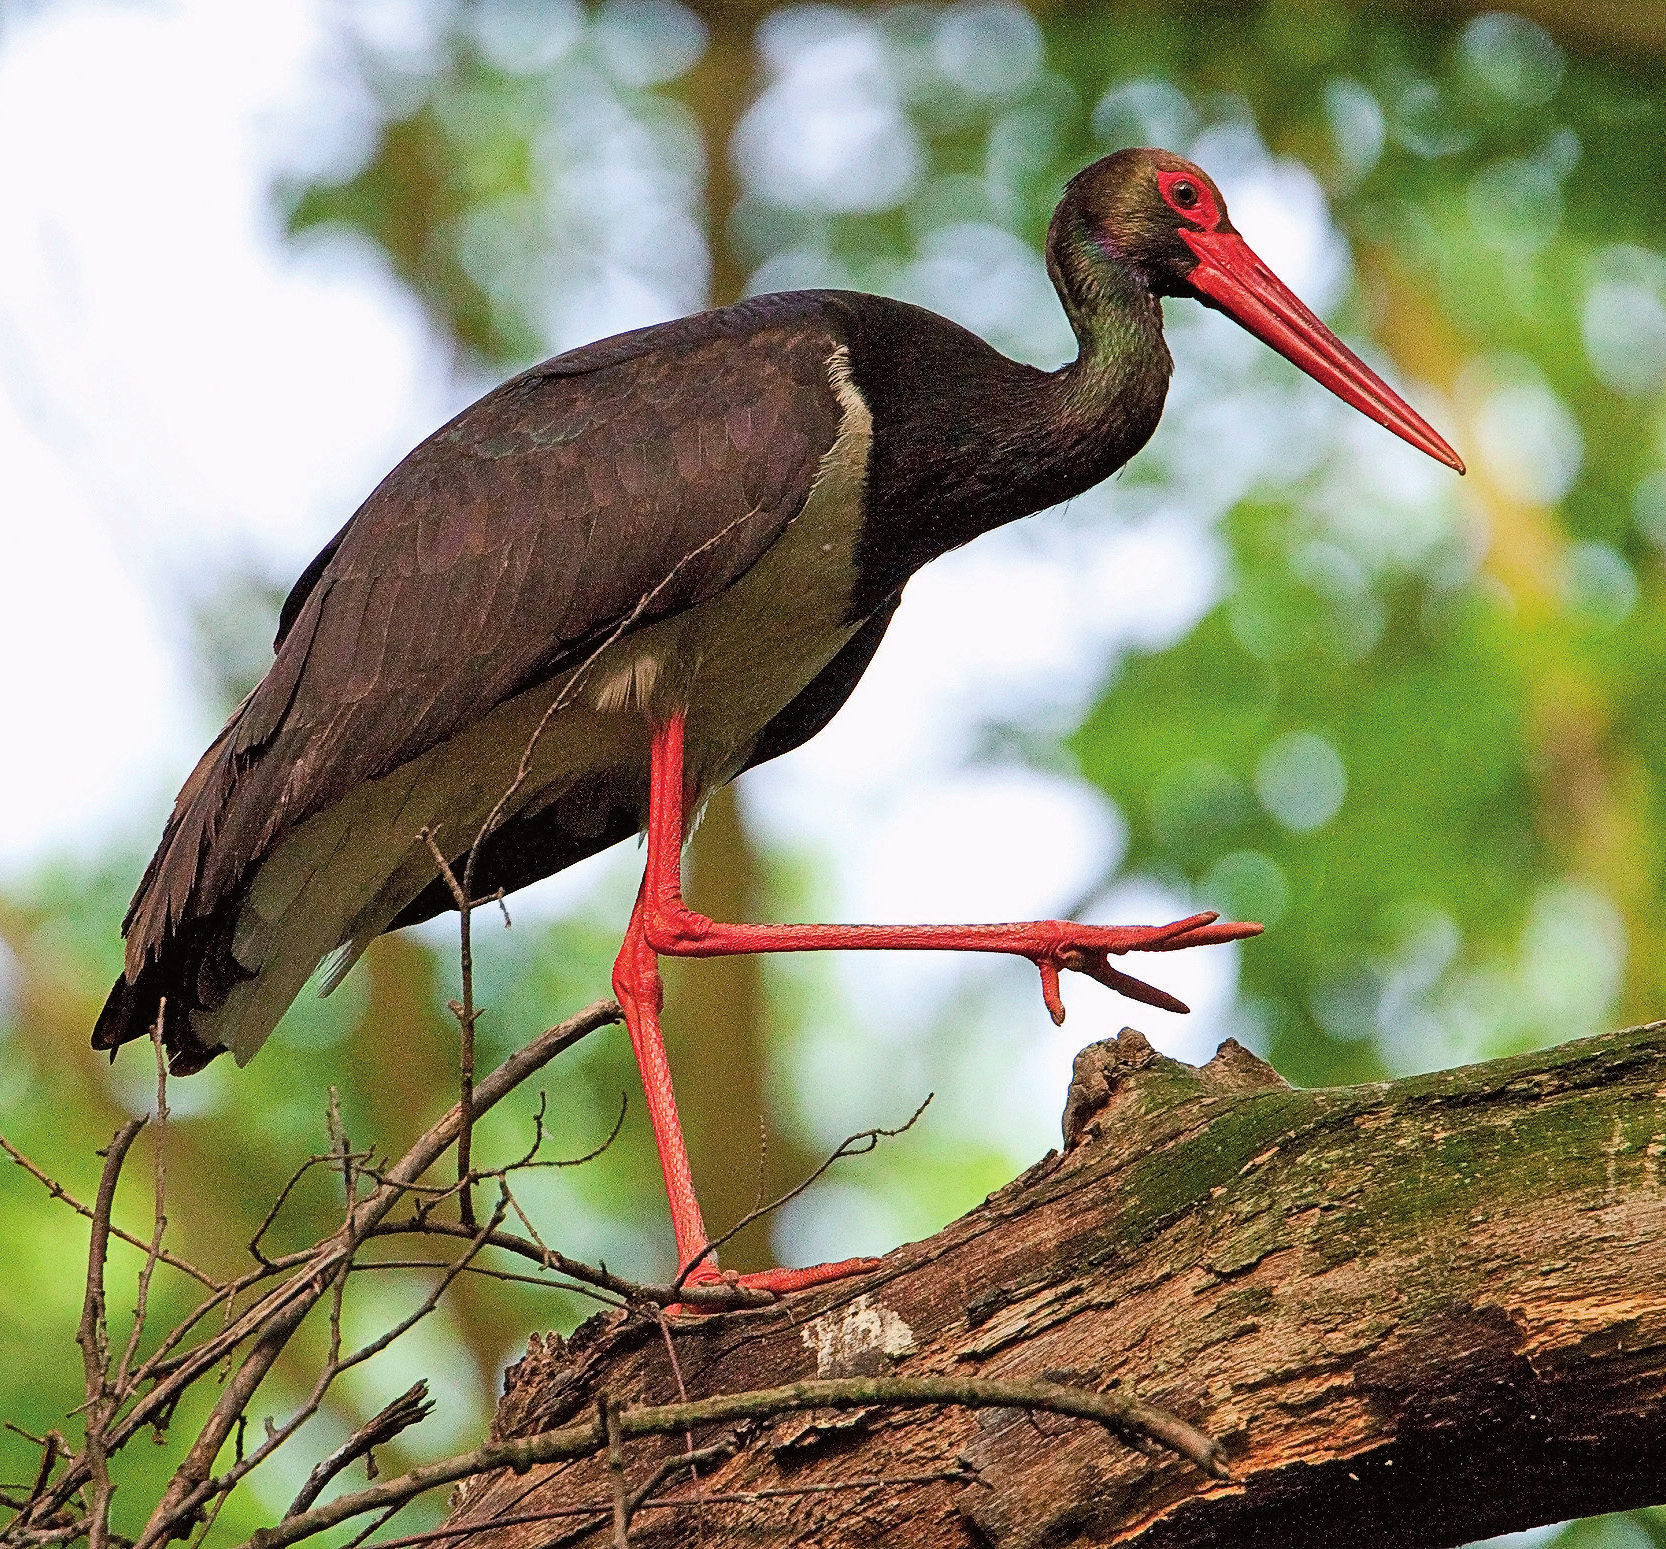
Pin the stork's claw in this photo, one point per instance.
(777, 1282)
(1050, 995)
(1210, 935)
(1087, 949)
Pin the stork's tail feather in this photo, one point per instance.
(190, 975)
(131, 1012)
(127, 1012)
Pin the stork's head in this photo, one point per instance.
(1163, 221)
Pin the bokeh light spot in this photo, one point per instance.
(1513, 58)
(1599, 584)
(1145, 111)
(992, 50)
(1529, 439)
(1246, 885)
(1301, 780)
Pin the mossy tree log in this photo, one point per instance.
(1413, 1313)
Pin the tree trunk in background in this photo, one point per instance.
(1413, 1313)
(717, 1011)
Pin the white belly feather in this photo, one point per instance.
(733, 663)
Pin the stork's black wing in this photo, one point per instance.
(503, 548)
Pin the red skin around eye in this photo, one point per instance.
(1205, 213)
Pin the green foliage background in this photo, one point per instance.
(1420, 731)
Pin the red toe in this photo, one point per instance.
(777, 1282)
(784, 1281)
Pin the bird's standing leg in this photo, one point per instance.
(636, 982)
(669, 926)
(661, 922)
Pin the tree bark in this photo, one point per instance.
(1413, 1313)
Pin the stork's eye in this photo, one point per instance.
(1190, 198)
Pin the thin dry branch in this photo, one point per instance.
(1127, 1417)
(53, 1446)
(607, 1416)
(465, 1012)
(410, 1408)
(589, 1280)
(94, 1338)
(643, 1498)
(63, 1196)
(277, 1205)
(859, 1144)
(159, 1220)
(192, 1487)
(264, 1328)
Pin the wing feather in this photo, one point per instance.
(496, 553)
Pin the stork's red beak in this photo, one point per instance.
(1230, 277)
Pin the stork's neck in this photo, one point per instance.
(1122, 358)
(967, 440)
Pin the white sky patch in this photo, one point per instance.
(178, 388)
(828, 132)
(165, 339)
(94, 704)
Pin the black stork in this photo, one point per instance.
(688, 540)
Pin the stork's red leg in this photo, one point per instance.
(661, 922)
(669, 926)
(636, 982)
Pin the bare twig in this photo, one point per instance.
(410, 1408)
(191, 1489)
(432, 1299)
(718, 1452)
(530, 1161)
(1130, 1419)
(277, 1205)
(159, 1223)
(591, 1279)
(643, 1499)
(94, 1339)
(60, 1193)
(267, 1325)
(637, 1500)
(465, 1013)
(607, 1412)
(376, 1524)
(53, 1446)
(594, 1280)
(682, 1387)
(341, 1151)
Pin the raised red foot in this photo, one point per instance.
(778, 1282)
(1087, 949)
